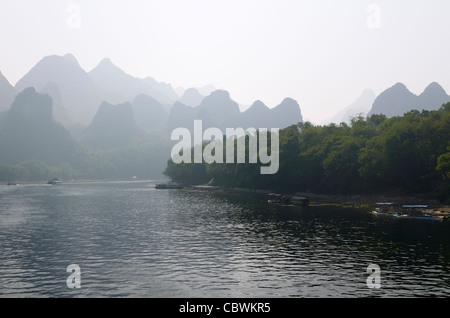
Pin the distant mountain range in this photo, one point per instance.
(108, 104)
(361, 106)
(79, 97)
(191, 97)
(107, 123)
(394, 101)
(397, 100)
(113, 126)
(219, 110)
(28, 132)
(7, 93)
(81, 93)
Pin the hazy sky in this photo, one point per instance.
(323, 53)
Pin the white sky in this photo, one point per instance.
(320, 52)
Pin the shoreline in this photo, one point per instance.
(74, 181)
(357, 200)
(352, 200)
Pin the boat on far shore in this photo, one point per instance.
(286, 199)
(418, 212)
(385, 208)
(205, 188)
(409, 211)
(54, 181)
(165, 186)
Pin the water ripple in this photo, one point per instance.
(133, 241)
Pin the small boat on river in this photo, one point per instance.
(286, 199)
(385, 208)
(418, 212)
(54, 181)
(165, 186)
(407, 211)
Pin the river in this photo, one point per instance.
(129, 239)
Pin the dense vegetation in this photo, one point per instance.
(409, 153)
(144, 160)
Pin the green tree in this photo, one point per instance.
(443, 164)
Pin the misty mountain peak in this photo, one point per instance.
(59, 61)
(7, 93)
(257, 106)
(106, 67)
(285, 114)
(219, 99)
(113, 126)
(3, 80)
(191, 97)
(29, 132)
(289, 103)
(114, 118)
(361, 106)
(106, 62)
(71, 59)
(63, 70)
(222, 94)
(221, 107)
(77, 92)
(122, 86)
(34, 106)
(397, 100)
(393, 101)
(433, 97)
(368, 93)
(399, 86)
(434, 88)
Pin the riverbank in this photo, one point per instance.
(74, 181)
(357, 200)
(368, 201)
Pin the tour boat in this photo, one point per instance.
(418, 212)
(385, 208)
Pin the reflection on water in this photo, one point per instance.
(131, 240)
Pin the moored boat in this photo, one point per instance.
(168, 186)
(54, 181)
(205, 188)
(286, 199)
(385, 208)
(418, 212)
(296, 200)
(274, 198)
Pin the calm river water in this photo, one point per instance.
(131, 240)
